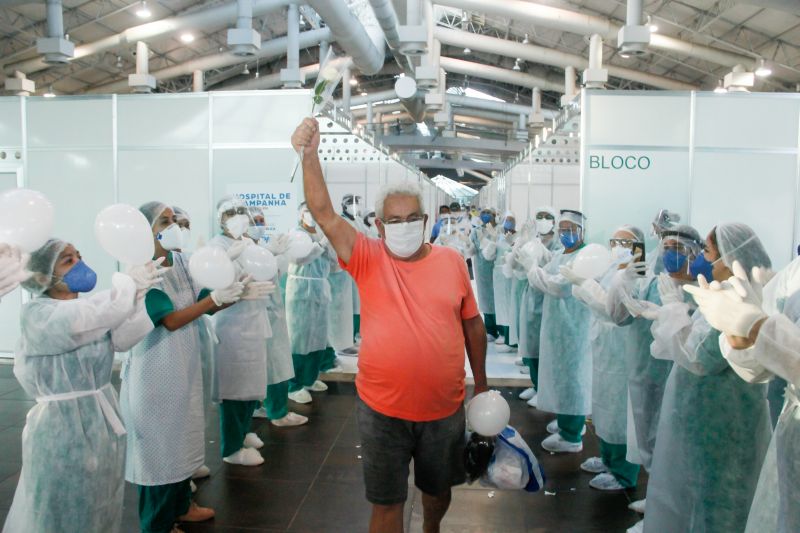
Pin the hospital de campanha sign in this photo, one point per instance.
(619, 162)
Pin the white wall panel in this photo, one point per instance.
(10, 122)
(162, 120)
(638, 119)
(69, 122)
(259, 117)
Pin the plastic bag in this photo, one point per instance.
(513, 464)
(477, 454)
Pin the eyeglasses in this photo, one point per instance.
(625, 243)
(397, 220)
(233, 211)
(544, 216)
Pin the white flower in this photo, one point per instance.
(329, 73)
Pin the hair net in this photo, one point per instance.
(546, 209)
(738, 242)
(685, 235)
(455, 206)
(42, 264)
(576, 217)
(153, 210)
(633, 230)
(228, 202)
(255, 211)
(181, 213)
(508, 214)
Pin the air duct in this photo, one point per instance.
(291, 74)
(55, 48)
(595, 77)
(20, 85)
(197, 81)
(739, 80)
(413, 35)
(633, 38)
(536, 119)
(243, 39)
(270, 81)
(387, 18)
(142, 81)
(489, 72)
(570, 90)
(412, 99)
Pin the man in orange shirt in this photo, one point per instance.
(418, 314)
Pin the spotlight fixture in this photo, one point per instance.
(119, 62)
(353, 81)
(364, 93)
(525, 40)
(143, 12)
(652, 25)
(187, 38)
(516, 66)
(720, 88)
(50, 93)
(467, 51)
(246, 70)
(763, 70)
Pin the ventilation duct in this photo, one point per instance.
(20, 85)
(633, 38)
(291, 77)
(142, 81)
(243, 40)
(55, 48)
(595, 77)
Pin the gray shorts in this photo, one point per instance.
(388, 445)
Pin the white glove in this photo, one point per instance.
(228, 295)
(237, 248)
(632, 272)
(12, 268)
(570, 275)
(147, 275)
(279, 244)
(669, 290)
(641, 308)
(724, 305)
(258, 290)
(507, 270)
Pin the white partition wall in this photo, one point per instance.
(713, 158)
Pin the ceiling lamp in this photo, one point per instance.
(143, 12)
(353, 81)
(763, 70)
(50, 93)
(720, 89)
(525, 40)
(652, 25)
(467, 51)
(246, 70)
(187, 38)
(516, 66)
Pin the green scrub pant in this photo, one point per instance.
(613, 456)
(235, 417)
(533, 367)
(505, 332)
(570, 427)
(277, 401)
(356, 326)
(161, 505)
(490, 322)
(328, 360)
(306, 369)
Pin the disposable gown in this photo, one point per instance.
(308, 294)
(483, 268)
(279, 349)
(502, 284)
(340, 312)
(162, 393)
(73, 444)
(240, 358)
(647, 376)
(530, 310)
(565, 361)
(713, 433)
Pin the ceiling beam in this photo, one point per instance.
(418, 142)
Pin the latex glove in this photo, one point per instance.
(228, 295)
(570, 275)
(632, 272)
(258, 290)
(669, 291)
(279, 244)
(147, 275)
(641, 308)
(237, 248)
(725, 308)
(12, 268)
(751, 292)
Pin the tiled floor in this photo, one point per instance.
(311, 480)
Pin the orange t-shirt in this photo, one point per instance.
(411, 361)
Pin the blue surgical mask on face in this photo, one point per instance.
(80, 278)
(508, 225)
(569, 240)
(486, 218)
(673, 261)
(703, 266)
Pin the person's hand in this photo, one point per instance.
(147, 275)
(479, 388)
(750, 291)
(12, 268)
(641, 308)
(669, 290)
(237, 248)
(633, 271)
(279, 244)
(228, 295)
(570, 275)
(258, 290)
(305, 139)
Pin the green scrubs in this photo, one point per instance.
(235, 417)
(613, 456)
(159, 505)
(306, 369)
(570, 427)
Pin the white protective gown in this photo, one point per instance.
(162, 394)
(279, 349)
(308, 295)
(500, 283)
(73, 444)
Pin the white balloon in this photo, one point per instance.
(300, 245)
(211, 268)
(26, 219)
(123, 232)
(259, 263)
(592, 261)
(488, 413)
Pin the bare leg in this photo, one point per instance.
(386, 519)
(433, 510)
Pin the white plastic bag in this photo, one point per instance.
(513, 465)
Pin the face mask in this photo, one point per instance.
(508, 225)
(186, 238)
(237, 225)
(486, 218)
(544, 226)
(703, 266)
(171, 238)
(404, 239)
(256, 232)
(80, 278)
(570, 240)
(351, 209)
(622, 254)
(673, 261)
(371, 221)
(308, 220)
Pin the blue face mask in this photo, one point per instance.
(486, 218)
(508, 225)
(703, 266)
(569, 240)
(80, 278)
(673, 261)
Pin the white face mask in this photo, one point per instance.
(622, 254)
(171, 238)
(544, 226)
(404, 239)
(237, 225)
(186, 238)
(308, 219)
(256, 232)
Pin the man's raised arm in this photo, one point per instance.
(341, 234)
